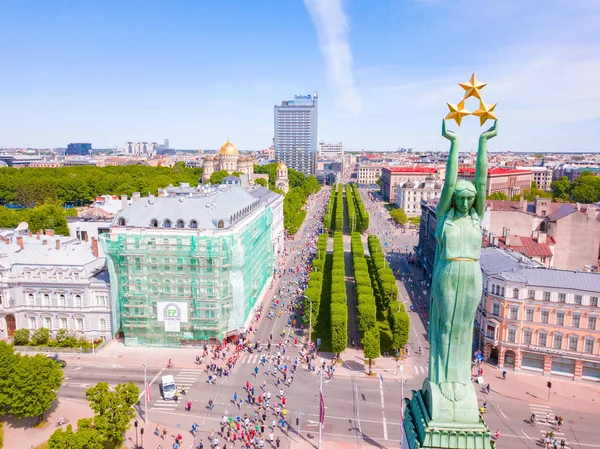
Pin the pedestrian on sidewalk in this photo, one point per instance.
(164, 434)
(157, 430)
(189, 406)
(504, 374)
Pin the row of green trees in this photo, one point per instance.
(339, 303)
(393, 321)
(113, 412)
(80, 185)
(363, 214)
(350, 210)
(28, 384)
(585, 189)
(339, 208)
(314, 290)
(367, 308)
(328, 225)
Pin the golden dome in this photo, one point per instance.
(228, 148)
(281, 166)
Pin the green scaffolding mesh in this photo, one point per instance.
(219, 277)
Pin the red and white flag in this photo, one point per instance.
(321, 409)
(148, 397)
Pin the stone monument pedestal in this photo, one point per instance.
(421, 431)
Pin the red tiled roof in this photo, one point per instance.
(412, 169)
(527, 245)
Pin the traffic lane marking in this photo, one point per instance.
(345, 418)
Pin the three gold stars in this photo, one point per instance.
(472, 89)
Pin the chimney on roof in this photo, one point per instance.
(39, 233)
(57, 243)
(50, 232)
(507, 237)
(542, 237)
(578, 206)
(523, 204)
(123, 201)
(591, 211)
(44, 242)
(20, 242)
(30, 234)
(95, 247)
(135, 196)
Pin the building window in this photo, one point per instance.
(32, 322)
(560, 318)
(102, 324)
(63, 301)
(546, 296)
(180, 224)
(514, 313)
(62, 323)
(121, 221)
(562, 297)
(502, 292)
(220, 224)
(46, 299)
(573, 341)
(493, 288)
(529, 315)
(30, 299)
(154, 223)
(496, 309)
(512, 335)
(48, 322)
(578, 299)
(591, 323)
(516, 293)
(594, 301)
(490, 332)
(542, 339)
(557, 343)
(588, 346)
(575, 320)
(531, 294)
(167, 223)
(545, 316)
(194, 224)
(76, 276)
(79, 324)
(527, 334)
(78, 301)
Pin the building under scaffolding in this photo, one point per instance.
(191, 269)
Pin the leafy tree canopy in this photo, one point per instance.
(498, 196)
(399, 216)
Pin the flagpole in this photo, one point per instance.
(145, 392)
(322, 413)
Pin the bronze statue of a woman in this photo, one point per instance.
(456, 287)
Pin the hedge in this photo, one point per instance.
(339, 209)
(362, 215)
(339, 302)
(328, 224)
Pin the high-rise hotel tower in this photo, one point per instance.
(296, 133)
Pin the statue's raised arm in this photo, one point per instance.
(481, 170)
(451, 173)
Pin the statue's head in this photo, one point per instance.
(464, 196)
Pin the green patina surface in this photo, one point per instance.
(445, 412)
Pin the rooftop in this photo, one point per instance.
(492, 171)
(412, 169)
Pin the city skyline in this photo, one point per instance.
(198, 73)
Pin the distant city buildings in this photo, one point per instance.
(331, 150)
(509, 181)
(79, 149)
(392, 177)
(541, 175)
(409, 194)
(191, 267)
(368, 174)
(296, 133)
(141, 148)
(53, 282)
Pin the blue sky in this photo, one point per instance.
(200, 72)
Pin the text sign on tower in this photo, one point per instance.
(172, 314)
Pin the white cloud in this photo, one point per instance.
(331, 24)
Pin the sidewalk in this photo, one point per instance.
(523, 386)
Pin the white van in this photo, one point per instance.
(168, 387)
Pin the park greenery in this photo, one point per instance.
(363, 214)
(314, 289)
(113, 412)
(339, 208)
(399, 216)
(218, 176)
(45, 216)
(585, 189)
(28, 384)
(328, 223)
(351, 209)
(41, 338)
(301, 186)
(30, 187)
(339, 303)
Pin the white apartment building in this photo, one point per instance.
(141, 148)
(368, 174)
(54, 282)
(409, 194)
(541, 175)
(332, 150)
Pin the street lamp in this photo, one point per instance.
(135, 423)
(142, 434)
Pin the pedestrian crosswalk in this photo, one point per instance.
(419, 369)
(184, 378)
(545, 419)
